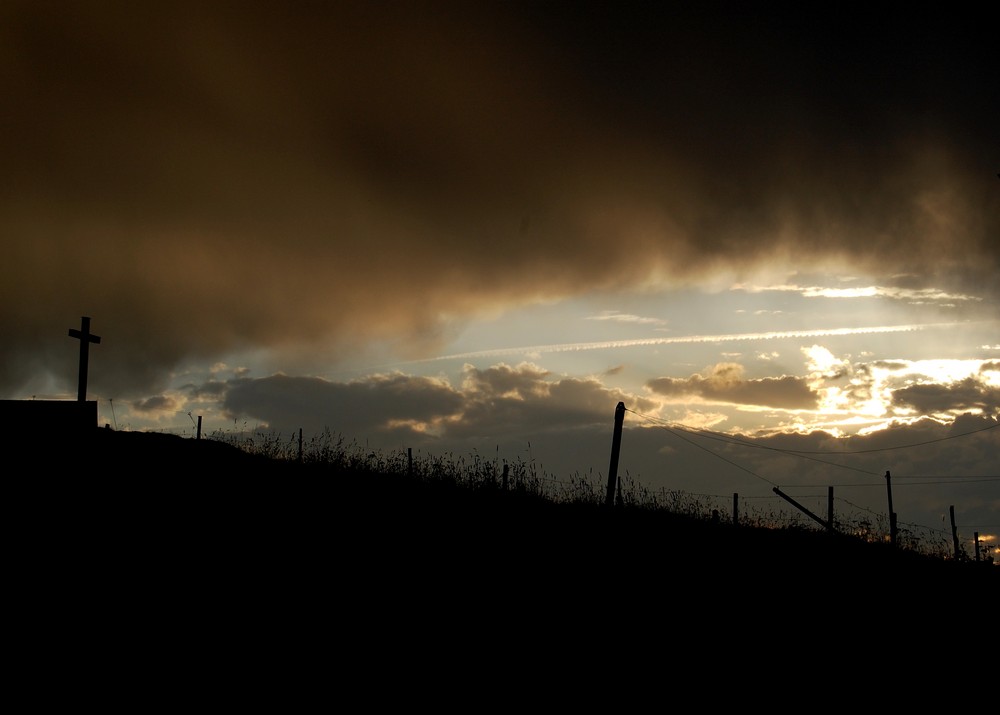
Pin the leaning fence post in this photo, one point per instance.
(616, 445)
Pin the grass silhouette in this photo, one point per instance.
(403, 523)
(514, 501)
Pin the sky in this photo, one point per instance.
(472, 229)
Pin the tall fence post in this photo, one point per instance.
(829, 507)
(736, 509)
(892, 514)
(954, 533)
(616, 445)
(199, 428)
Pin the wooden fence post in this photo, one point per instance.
(799, 507)
(892, 514)
(616, 444)
(954, 533)
(829, 507)
(736, 509)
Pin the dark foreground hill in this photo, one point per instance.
(151, 568)
(131, 486)
(146, 568)
(135, 535)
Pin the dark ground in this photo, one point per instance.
(134, 541)
(155, 493)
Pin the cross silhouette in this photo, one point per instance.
(85, 340)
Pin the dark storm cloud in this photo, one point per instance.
(204, 177)
(491, 404)
(287, 404)
(964, 395)
(211, 389)
(526, 402)
(159, 403)
(505, 381)
(725, 383)
(925, 448)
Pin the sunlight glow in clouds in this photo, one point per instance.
(870, 392)
(913, 295)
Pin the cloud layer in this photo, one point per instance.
(203, 178)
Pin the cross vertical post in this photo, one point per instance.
(85, 337)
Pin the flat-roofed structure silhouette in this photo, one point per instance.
(38, 418)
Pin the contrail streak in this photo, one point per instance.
(725, 338)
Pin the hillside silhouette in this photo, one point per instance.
(199, 554)
(151, 492)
